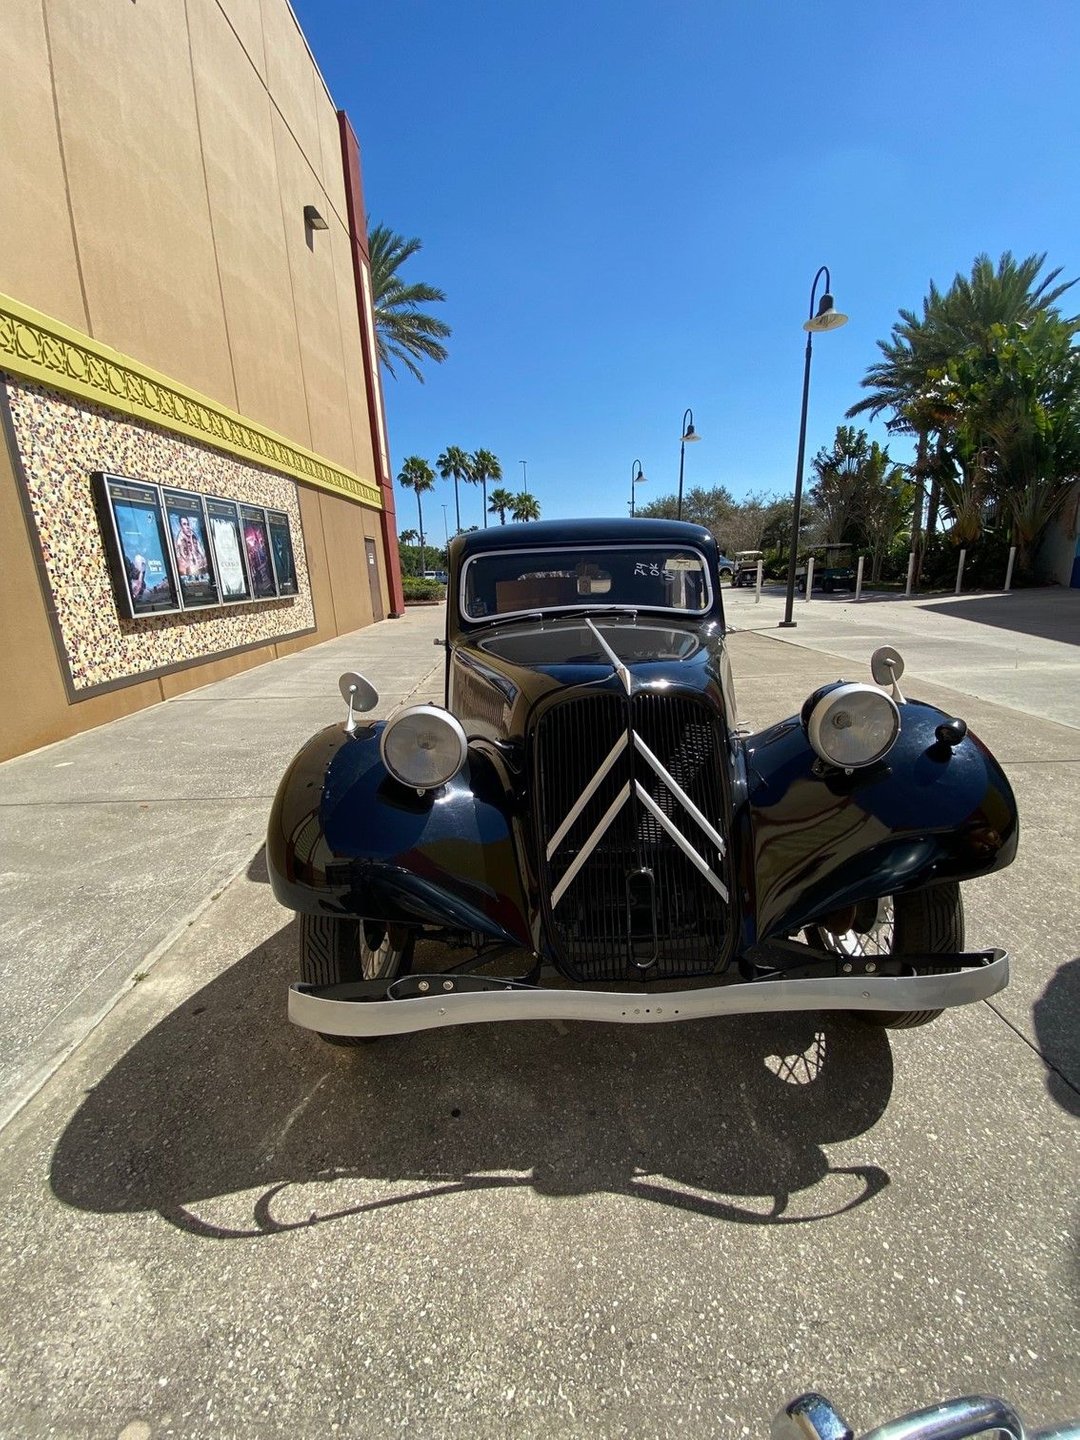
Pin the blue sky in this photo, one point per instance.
(626, 204)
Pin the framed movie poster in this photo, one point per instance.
(191, 548)
(228, 543)
(257, 550)
(137, 545)
(281, 552)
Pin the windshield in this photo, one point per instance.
(645, 577)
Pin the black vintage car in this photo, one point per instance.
(591, 836)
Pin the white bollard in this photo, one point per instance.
(858, 578)
(960, 572)
(910, 575)
(760, 574)
(1008, 572)
(809, 578)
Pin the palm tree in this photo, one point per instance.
(526, 507)
(484, 467)
(416, 474)
(501, 500)
(912, 378)
(453, 464)
(921, 348)
(408, 537)
(402, 329)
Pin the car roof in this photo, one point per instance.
(542, 534)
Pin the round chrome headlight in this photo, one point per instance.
(853, 725)
(423, 746)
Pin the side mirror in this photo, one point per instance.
(886, 666)
(359, 694)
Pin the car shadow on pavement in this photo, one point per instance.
(232, 1123)
(1056, 1015)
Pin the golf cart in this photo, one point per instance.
(746, 563)
(834, 568)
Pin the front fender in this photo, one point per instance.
(346, 838)
(823, 840)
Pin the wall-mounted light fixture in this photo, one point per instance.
(313, 220)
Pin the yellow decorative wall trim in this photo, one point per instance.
(35, 347)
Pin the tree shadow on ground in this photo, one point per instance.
(726, 1118)
(1056, 1014)
(1052, 614)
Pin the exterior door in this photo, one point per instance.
(377, 611)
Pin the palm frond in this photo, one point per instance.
(404, 332)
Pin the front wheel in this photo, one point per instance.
(334, 949)
(924, 922)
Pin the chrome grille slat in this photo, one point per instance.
(587, 912)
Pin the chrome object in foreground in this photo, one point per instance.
(434, 1002)
(813, 1417)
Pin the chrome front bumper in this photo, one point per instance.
(316, 1008)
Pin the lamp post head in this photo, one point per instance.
(827, 318)
(691, 434)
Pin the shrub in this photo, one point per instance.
(417, 588)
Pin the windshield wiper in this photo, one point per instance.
(570, 613)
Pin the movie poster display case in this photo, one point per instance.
(175, 550)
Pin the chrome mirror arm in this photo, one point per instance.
(813, 1417)
(958, 1419)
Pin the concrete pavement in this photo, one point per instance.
(1019, 649)
(114, 839)
(215, 1225)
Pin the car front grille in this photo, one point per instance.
(622, 899)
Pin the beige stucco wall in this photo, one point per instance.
(158, 158)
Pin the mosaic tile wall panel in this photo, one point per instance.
(62, 440)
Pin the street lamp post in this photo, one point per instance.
(524, 476)
(637, 477)
(827, 318)
(689, 434)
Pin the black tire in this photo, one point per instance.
(334, 949)
(725, 573)
(927, 922)
(827, 586)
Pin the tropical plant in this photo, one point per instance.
(453, 464)
(525, 506)
(408, 537)
(1016, 423)
(484, 466)
(916, 379)
(499, 502)
(841, 476)
(417, 475)
(403, 331)
(885, 509)
(860, 495)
